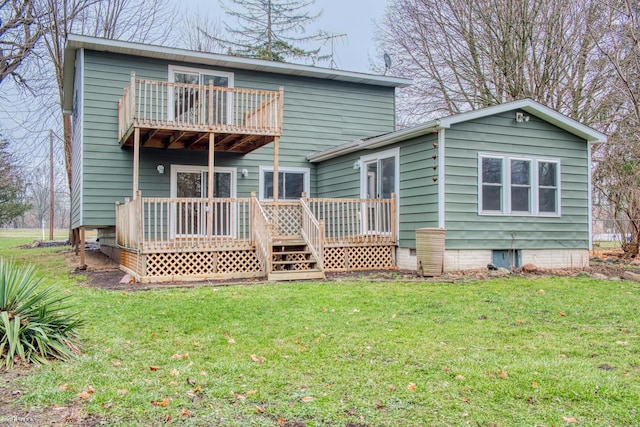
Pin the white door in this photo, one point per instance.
(190, 215)
(379, 180)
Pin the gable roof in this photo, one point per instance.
(528, 105)
(75, 42)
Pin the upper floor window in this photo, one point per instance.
(510, 185)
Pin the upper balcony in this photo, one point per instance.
(181, 116)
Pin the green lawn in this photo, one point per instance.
(520, 351)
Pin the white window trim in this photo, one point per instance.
(174, 68)
(393, 152)
(175, 168)
(534, 186)
(263, 169)
(196, 168)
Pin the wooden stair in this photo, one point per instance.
(292, 260)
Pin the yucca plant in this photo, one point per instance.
(36, 324)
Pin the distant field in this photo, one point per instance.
(36, 233)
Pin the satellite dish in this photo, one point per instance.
(387, 62)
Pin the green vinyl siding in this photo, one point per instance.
(418, 195)
(317, 114)
(500, 134)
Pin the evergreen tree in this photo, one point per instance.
(270, 29)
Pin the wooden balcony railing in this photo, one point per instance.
(181, 106)
(360, 221)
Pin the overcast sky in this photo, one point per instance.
(355, 18)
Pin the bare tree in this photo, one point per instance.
(21, 28)
(617, 174)
(202, 34)
(467, 54)
(12, 186)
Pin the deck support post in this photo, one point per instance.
(276, 143)
(136, 161)
(83, 264)
(210, 194)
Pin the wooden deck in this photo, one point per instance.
(181, 116)
(196, 239)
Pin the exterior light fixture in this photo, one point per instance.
(520, 117)
(160, 169)
(244, 173)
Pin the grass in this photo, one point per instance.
(519, 351)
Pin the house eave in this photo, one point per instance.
(374, 142)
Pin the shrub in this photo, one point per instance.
(35, 324)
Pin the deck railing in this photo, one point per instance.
(285, 217)
(128, 216)
(161, 104)
(313, 233)
(175, 224)
(262, 234)
(366, 221)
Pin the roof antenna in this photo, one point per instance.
(387, 62)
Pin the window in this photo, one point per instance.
(518, 186)
(292, 182)
(491, 184)
(547, 187)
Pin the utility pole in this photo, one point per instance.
(51, 201)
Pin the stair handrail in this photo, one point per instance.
(313, 233)
(261, 234)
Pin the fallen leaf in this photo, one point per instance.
(303, 348)
(257, 359)
(562, 313)
(503, 374)
(541, 291)
(491, 375)
(116, 363)
(196, 344)
(281, 421)
(185, 413)
(393, 316)
(446, 369)
(174, 383)
(260, 409)
(167, 418)
(231, 341)
(466, 400)
(84, 395)
(459, 377)
(520, 321)
(569, 420)
(325, 309)
(64, 387)
(175, 373)
(203, 373)
(153, 335)
(392, 387)
(307, 399)
(622, 342)
(250, 392)
(107, 350)
(164, 402)
(180, 356)
(154, 368)
(90, 389)
(355, 310)
(122, 391)
(411, 387)
(534, 384)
